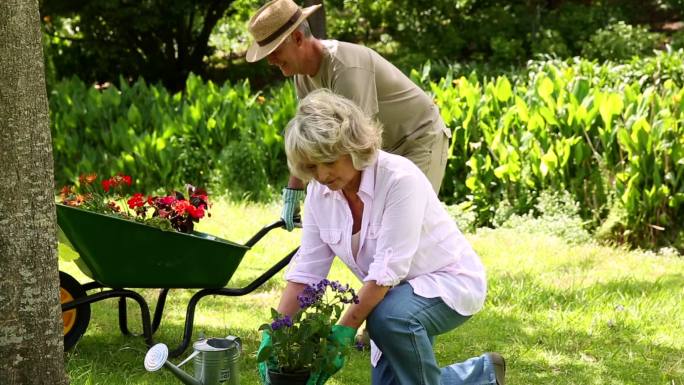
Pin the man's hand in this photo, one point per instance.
(291, 200)
(264, 358)
(341, 336)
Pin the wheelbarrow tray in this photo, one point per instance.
(122, 253)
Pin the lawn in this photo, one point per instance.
(560, 313)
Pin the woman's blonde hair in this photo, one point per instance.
(326, 127)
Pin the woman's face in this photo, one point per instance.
(337, 175)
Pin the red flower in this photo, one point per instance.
(136, 201)
(196, 212)
(66, 190)
(126, 179)
(181, 206)
(106, 185)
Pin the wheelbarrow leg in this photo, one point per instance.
(122, 294)
(159, 309)
(190, 313)
(189, 320)
(123, 317)
(144, 314)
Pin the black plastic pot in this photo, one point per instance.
(297, 378)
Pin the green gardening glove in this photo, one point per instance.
(264, 358)
(291, 199)
(341, 336)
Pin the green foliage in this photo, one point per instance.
(497, 32)
(555, 213)
(608, 134)
(677, 40)
(160, 40)
(620, 41)
(576, 127)
(165, 139)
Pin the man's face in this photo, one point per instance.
(286, 57)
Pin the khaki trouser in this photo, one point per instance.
(429, 153)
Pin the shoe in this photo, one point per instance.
(499, 365)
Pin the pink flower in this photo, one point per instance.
(168, 200)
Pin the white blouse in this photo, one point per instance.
(406, 235)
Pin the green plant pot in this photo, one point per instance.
(297, 378)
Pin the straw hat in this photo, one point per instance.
(272, 24)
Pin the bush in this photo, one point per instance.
(620, 41)
(555, 213)
(227, 137)
(606, 133)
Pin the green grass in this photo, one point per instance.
(559, 313)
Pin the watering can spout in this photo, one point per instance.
(181, 375)
(156, 358)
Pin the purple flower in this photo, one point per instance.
(281, 322)
(312, 294)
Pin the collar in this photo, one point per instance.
(367, 185)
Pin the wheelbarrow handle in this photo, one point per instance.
(266, 229)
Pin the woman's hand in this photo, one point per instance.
(342, 336)
(264, 358)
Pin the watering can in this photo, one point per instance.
(215, 361)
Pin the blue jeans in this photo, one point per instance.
(403, 325)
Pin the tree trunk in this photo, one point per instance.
(31, 346)
(317, 19)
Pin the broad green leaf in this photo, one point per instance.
(545, 88)
(503, 89)
(625, 140)
(211, 123)
(501, 171)
(523, 112)
(134, 117)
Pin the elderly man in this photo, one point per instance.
(412, 125)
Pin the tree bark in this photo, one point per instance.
(31, 341)
(317, 19)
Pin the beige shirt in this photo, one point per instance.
(379, 88)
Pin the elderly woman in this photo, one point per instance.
(379, 213)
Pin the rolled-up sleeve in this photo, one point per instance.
(399, 233)
(314, 258)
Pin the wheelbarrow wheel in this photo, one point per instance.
(75, 320)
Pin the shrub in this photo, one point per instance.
(167, 139)
(620, 41)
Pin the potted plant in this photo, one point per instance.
(300, 345)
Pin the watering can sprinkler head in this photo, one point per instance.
(157, 357)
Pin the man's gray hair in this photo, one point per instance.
(326, 127)
(305, 28)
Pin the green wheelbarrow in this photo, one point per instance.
(135, 255)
